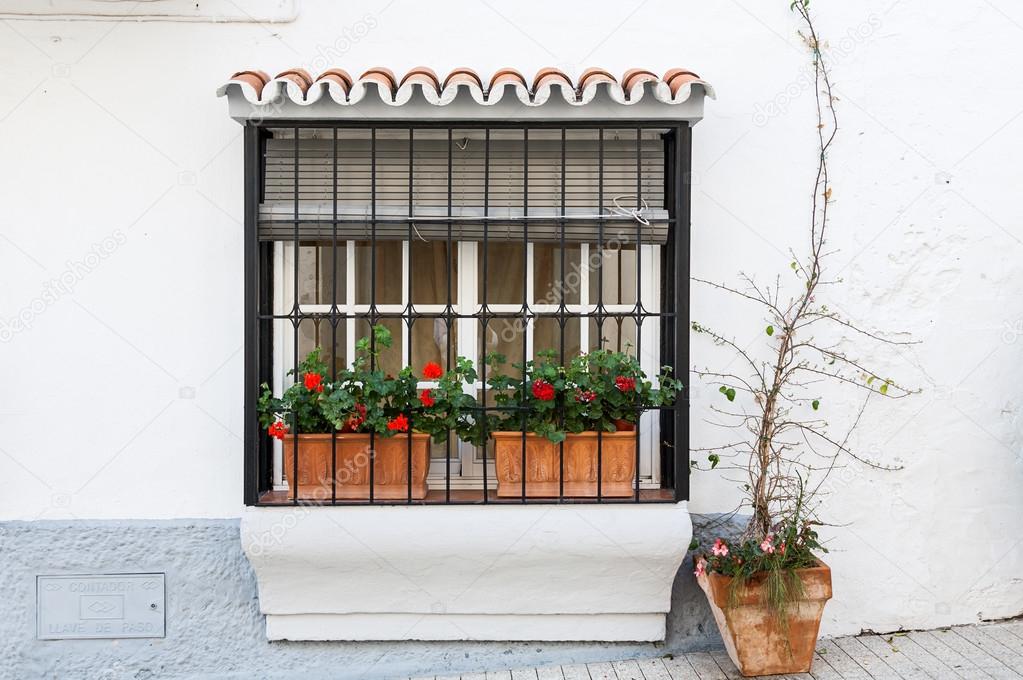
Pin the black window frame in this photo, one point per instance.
(675, 304)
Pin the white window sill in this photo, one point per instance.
(535, 572)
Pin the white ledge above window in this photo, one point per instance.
(536, 572)
(463, 95)
(213, 11)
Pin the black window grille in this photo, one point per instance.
(391, 201)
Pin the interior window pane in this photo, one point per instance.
(431, 274)
(618, 265)
(547, 336)
(504, 336)
(617, 334)
(316, 274)
(313, 333)
(505, 273)
(391, 360)
(430, 338)
(389, 266)
(441, 449)
(549, 283)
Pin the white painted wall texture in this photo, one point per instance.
(121, 251)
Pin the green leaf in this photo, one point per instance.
(730, 394)
(714, 459)
(816, 404)
(883, 389)
(794, 266)
(770, 330)
(694, 544)
(723, 390)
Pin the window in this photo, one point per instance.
(463, 240)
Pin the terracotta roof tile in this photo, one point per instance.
(463, 75)
(632, 86)
(299, 76)
(384, 77)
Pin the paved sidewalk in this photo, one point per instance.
(980, 652)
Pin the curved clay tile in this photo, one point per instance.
(595, 75)
(299, 76)
(256, 79)
(507, 75)
(383, 77)
(634, 76)
(423, 75)
(551, 75)
(339, 76)
(463, 75)
(677, 77)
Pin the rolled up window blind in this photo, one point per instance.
(503, 186)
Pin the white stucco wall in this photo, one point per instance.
(122, 176)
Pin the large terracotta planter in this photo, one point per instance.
(543, 467)
(390, 466)
(756, 641)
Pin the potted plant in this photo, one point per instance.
(588, 410)
(768, 596)
(298, 410)
(369, 417)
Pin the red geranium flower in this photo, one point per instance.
(625, 384)
(354, 421)
(432, 370)
(277, 430)
(313, 382)
(398, 424)
(426, 399)
(543, 390)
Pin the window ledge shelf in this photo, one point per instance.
(461, 573)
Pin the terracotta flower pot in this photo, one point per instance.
(756, 641)
(543, 467)
(622, 425)
(390, 466)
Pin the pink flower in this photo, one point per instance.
(720, 549)
(768, 544)
(700, 568)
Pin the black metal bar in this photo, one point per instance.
(562, 309)
(525, 290)
(334, 317)
(443, 124)
(484, 311)
(639, 286)
(683, 164)
(296, 321)
(494, 315)
(411, 308)
(254, 439)
(447, 318)
(372, 293)
(600, 296)
(667, 451)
